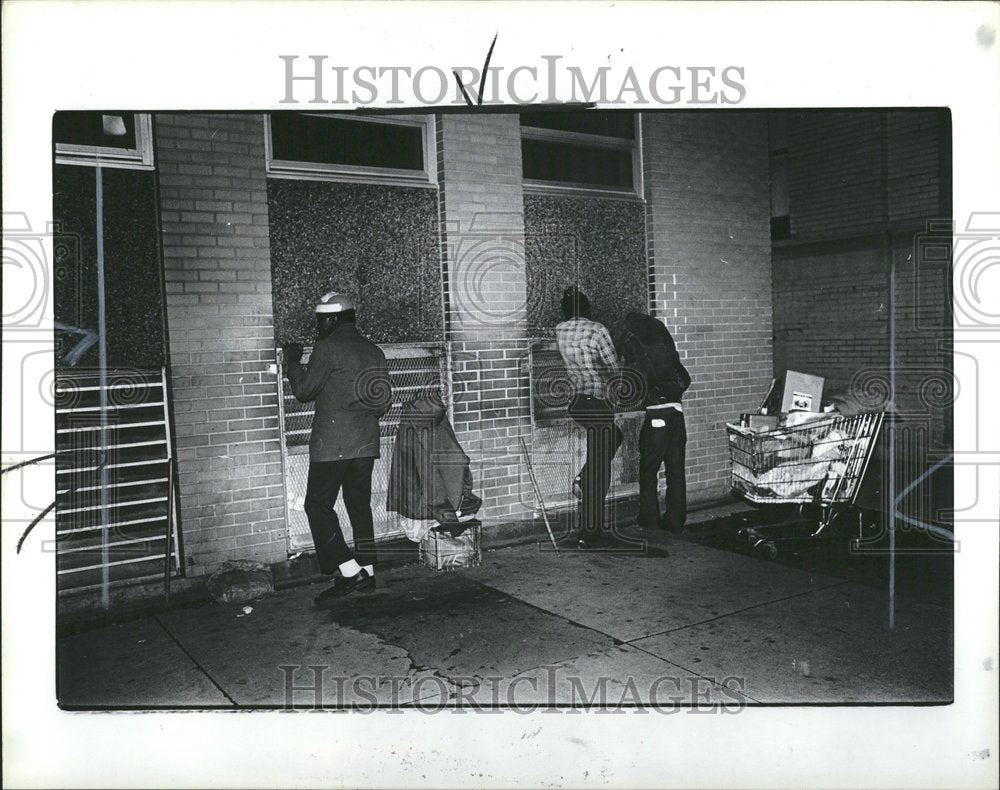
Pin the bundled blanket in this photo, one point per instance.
(430, 477)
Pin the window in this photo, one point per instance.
(380, 149)
(581, 151)
(113, 139)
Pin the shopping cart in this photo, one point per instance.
(818, 465)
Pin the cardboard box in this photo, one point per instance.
(802, 392)
(442, 552)
(759, 422)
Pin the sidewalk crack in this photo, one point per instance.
(195, 661)
(737, 611)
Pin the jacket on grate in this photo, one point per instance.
(430, 476)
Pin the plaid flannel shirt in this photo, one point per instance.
(589, 356)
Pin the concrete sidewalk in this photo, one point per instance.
(679, 623)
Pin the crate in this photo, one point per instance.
(442, 552)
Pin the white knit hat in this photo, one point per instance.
(334, 302)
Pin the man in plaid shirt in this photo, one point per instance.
(592, 364)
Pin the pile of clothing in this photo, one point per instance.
(430, 482)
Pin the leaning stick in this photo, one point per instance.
(538, 491)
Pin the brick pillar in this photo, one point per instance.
(709, 249)
(218, 296)
(483, 265)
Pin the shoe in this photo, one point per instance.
(577, 488)
(344, 586)
(672, 528)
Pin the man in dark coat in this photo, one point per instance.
(650, 357)
(430, 476)
(348, 378)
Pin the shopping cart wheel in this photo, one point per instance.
(810, 511)
(748, 539)
(762, 547)
(843, 522)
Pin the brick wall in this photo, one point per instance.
(863, 186)
(835, 169)
(483, 269)
(709, 268)
(918, 169)
(213, 210)
(708, 247)
(813, 331)
(853, 172)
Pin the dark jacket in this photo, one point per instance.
(430, 476)
(649, 354)
(348, 378)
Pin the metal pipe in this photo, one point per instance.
(891, 433)
(538, 491)
(892, 439)
(171, 478)
(169, 537)
(279, 365)
(102, 371)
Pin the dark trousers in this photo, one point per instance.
(326, 478)
(664, 446)
(603, 439)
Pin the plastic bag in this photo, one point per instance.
(416, 529)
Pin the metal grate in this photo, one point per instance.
(135, 455)
(413, 369)
(558, 444)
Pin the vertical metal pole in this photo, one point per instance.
(891, 433)
(102, 371)
(445, 371)
(279, 361)
(169, 536)
(892, 440)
